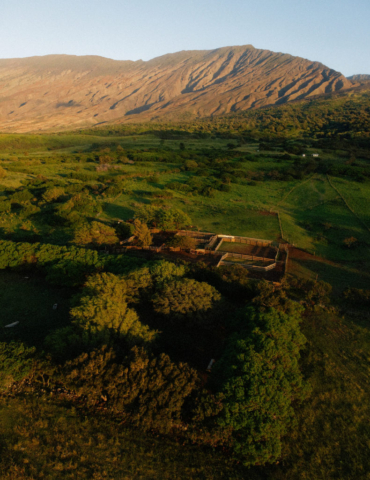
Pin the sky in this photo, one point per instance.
(335, 33)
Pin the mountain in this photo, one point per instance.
(359, 78)
(56, 92)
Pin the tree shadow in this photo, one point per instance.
(118, 211)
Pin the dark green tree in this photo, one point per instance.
(260, 377)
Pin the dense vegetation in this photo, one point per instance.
(342, 116)
(104, 373)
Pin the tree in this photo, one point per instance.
(146, 214)
(260, 378)
(170, 219)
(269, 296)
(104, 313)
(149, 391)
(186, 299)
(182, 241)
(318, 292)
(165, 218)
(22, 196)
(191, 165)
(95, 234)
(77, 207)
(125, 229)
(142, 234)
(163, 272)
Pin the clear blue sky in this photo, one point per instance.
(334, 32)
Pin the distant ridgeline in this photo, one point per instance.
(56, 92)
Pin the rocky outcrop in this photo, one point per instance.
(56, 92)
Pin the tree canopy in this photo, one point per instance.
(186, 298)
(166, 219)
(103, 311)
(260, 377)
(142, 233)
(95, 234)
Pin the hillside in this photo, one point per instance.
(360, 78)
(59, 91)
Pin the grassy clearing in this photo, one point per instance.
(338, 275)
(315, 218)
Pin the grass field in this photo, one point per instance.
(313, 215)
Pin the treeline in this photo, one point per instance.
(339, 117)
(62, 265)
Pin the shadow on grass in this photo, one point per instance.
(340, 277)
(118, 211)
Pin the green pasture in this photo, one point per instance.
(21, 145)
(313, 216)
(339, 275)
(331, 438)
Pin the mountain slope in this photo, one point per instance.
(359, 78)
(61, 91)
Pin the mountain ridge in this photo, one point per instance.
(55, 92)
(359, 78)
